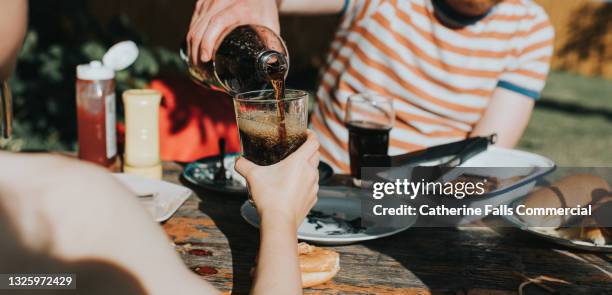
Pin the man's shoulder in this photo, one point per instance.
(529, 9)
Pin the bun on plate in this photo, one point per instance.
(570, 191)
(318, 265)
(602, 213)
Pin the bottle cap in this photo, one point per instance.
(117, 58)
(121, 55)
(95, 70)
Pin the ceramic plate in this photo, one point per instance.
(529, 166)
(202, 172)
(165, 198)
(334, 220)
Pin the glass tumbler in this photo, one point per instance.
(270, 129)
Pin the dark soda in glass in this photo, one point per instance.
(366, 138)
(267, 138)
(261, 142)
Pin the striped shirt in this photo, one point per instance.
(440, 79)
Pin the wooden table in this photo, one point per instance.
(217, 243)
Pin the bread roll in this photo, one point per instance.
(607, 233)
(311, 279)
(570, 191)
(591, 233)
(602, 213)
(318, 265)
(568, 233)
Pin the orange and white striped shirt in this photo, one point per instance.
(441, 79)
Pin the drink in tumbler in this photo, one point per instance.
(369, 119)
(266, 138)
(366, 138)
(260, 138)
(247, 60)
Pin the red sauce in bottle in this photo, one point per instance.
(96, 120)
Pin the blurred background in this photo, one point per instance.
(571, 124)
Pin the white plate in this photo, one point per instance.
(528, 165)
(167, 197)
(344, 206)
(532, 166)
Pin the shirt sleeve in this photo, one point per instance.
(530, 61)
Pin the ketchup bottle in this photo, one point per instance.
(96, 113)
(95, 96)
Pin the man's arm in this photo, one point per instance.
(312, 6)
(520, 84)
(211, 18)
(507, 115)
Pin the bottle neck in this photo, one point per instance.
(273, 65)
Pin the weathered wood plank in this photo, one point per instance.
(213, 240)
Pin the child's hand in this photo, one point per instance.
(288, 189)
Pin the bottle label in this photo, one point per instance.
(111, 132)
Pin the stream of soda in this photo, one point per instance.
(278, 84)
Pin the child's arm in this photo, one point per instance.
(284, 193)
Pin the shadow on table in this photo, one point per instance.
(443, 260)
(243, 239)
(462, 261)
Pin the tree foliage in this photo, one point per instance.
(63, 34)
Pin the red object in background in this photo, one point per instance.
(95, 119)
(92, 138)
(193, 119)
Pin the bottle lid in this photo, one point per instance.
(117, 58)
(121, 55)
(95, 70)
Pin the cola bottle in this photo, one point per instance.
(248, 58)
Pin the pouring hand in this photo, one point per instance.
(211, 18)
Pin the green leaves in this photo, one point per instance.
(43, 85)
(29, 45)
(146, 64)
(51, 63)
(93, 50)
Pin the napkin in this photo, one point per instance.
(166, 197)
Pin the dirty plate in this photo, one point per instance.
(518, 171)
(335, 219)
(202, 173)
